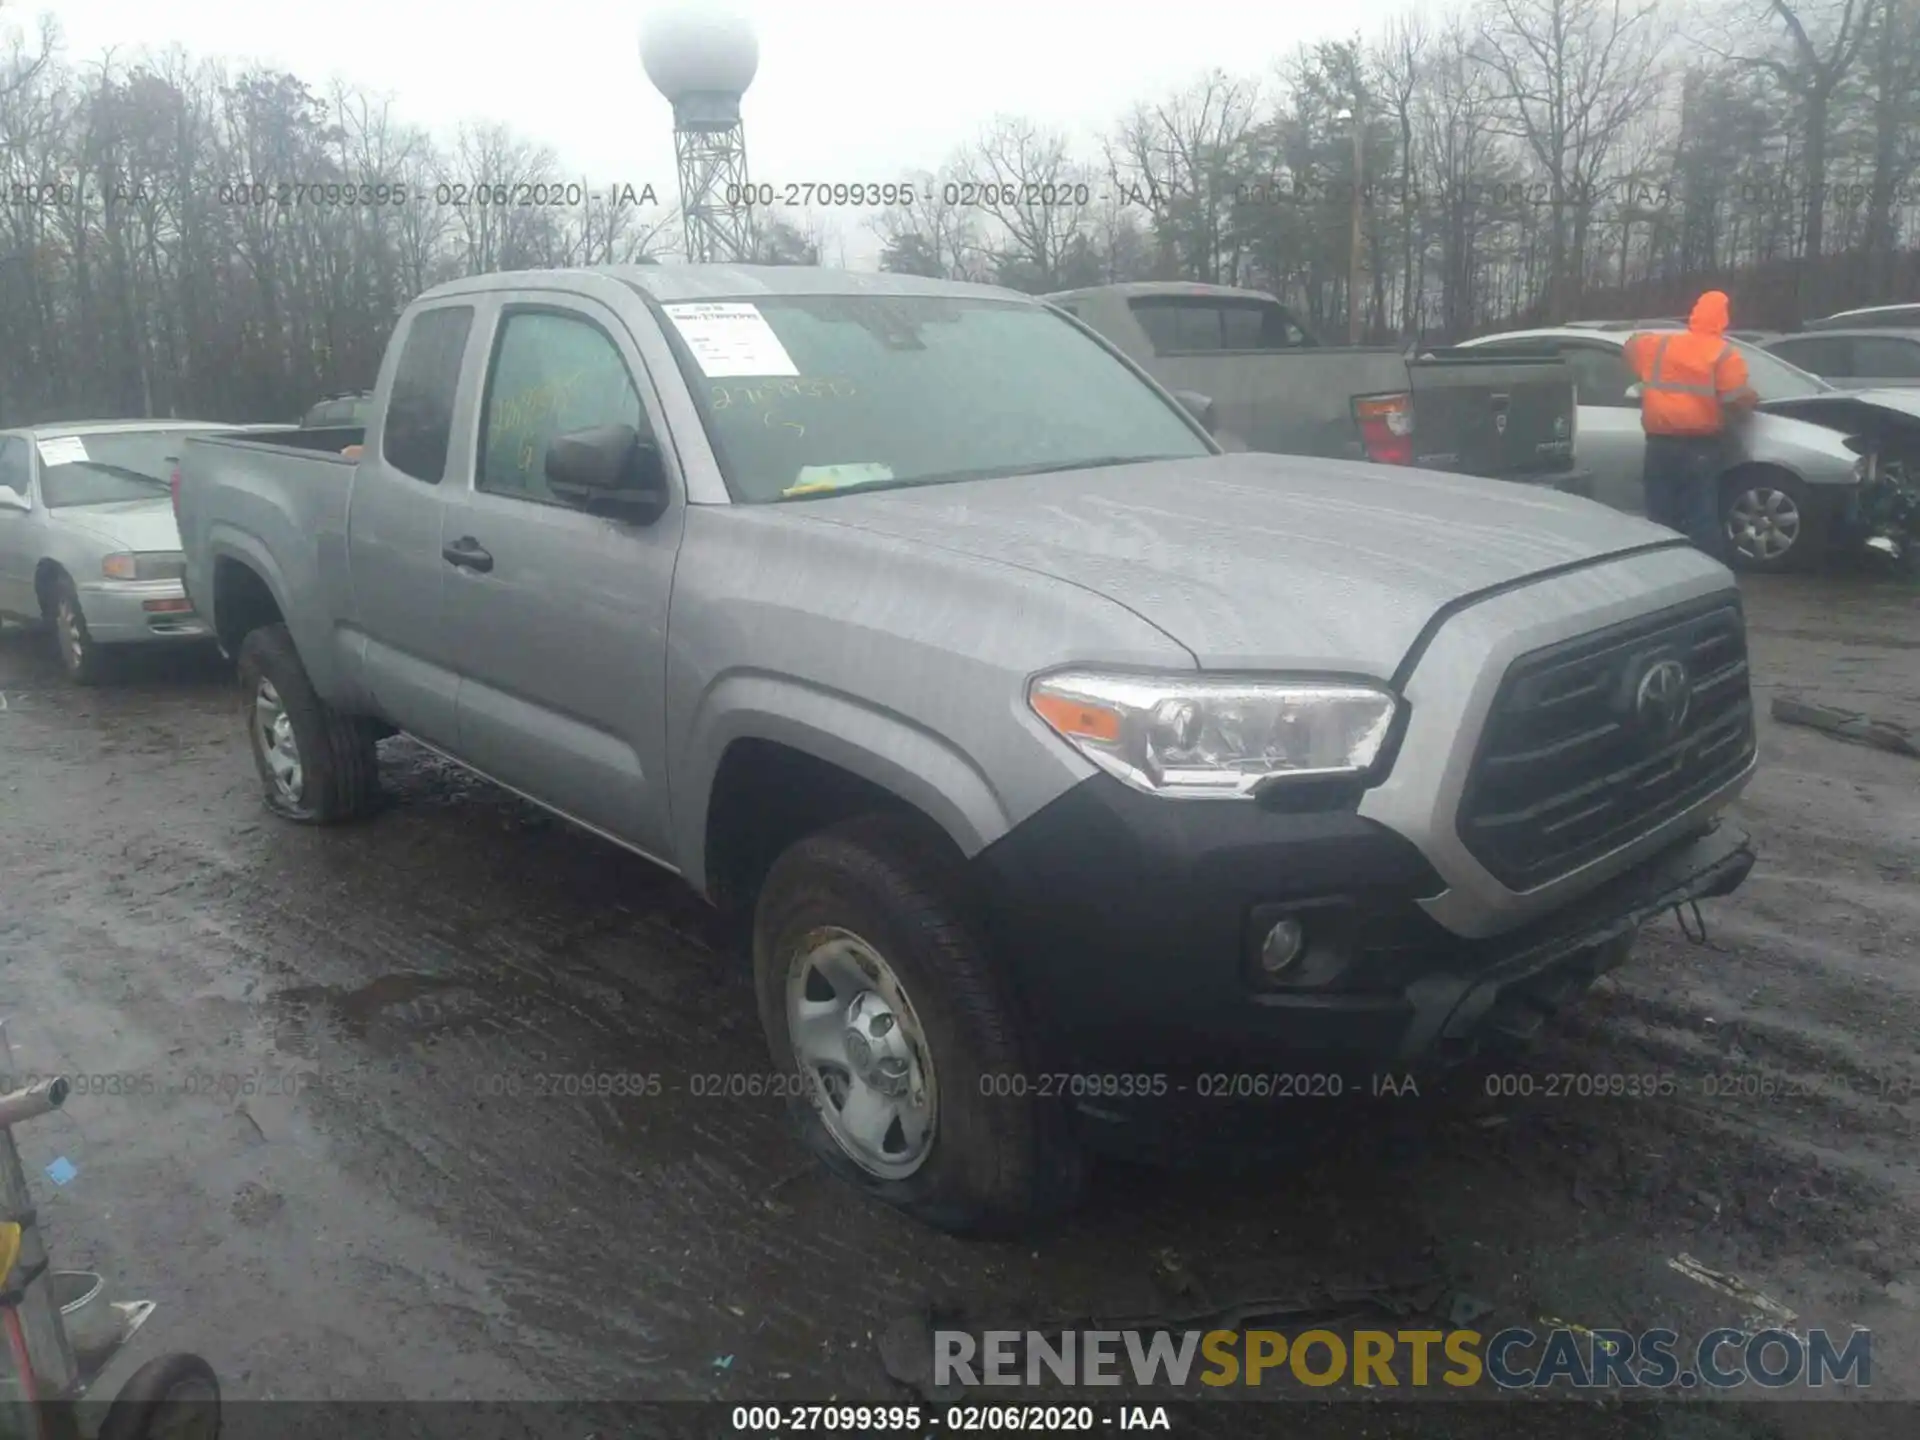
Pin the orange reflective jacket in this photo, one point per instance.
(1685, 375)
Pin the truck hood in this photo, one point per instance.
(1259, 561)
(124, 525)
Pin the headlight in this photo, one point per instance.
(1179, 735)
(120, 567)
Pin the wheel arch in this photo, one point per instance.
(776, 760)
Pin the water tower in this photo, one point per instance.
(702, 60)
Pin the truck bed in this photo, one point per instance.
(281, 494)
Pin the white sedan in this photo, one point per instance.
(88, 541)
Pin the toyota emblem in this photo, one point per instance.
(1500, 423)
(1662, 698)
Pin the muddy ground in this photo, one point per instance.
(333, 1163)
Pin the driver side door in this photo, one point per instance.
(556, 619)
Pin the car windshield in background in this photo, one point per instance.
(107, 469)
(911, 390)
(1774, 379)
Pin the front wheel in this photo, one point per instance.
(173, 1396)
(80, 655)
(1771, 521)
(875, 986)
(316, 766)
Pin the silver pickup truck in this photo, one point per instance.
(1270, 384)
(1066, 769)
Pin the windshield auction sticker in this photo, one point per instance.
(63, 450)
(730, 339)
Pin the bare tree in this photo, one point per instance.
(1030, 184)
(1178, 159)
(1572, 74)
(1400, 60)
(932, 233)
(1822, 46)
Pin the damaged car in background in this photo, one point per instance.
(1815, 469)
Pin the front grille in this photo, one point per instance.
(1568, 768)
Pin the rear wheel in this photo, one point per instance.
(1771, 521)
(316, 766)
(874, 985)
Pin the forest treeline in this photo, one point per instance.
(177, 237)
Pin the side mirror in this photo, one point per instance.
(12, 499)
(1197, 405)
(610, 469)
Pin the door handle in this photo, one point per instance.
(467, 554)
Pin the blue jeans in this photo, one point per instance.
(1682, 483)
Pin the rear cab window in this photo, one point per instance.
(426, 385)
(1216, 324)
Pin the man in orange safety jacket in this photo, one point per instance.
(1690, 381)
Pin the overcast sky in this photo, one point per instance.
(848, 90)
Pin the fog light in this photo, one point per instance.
(1285, 943)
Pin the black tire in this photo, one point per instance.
(997, 1164)
(1810, 518)
(179, 1380)
(339, 774)
(85, 662)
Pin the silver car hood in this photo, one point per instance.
(1260, 561)
(125, 524)
(1842, 408)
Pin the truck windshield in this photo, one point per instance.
(107, 469)
(866, 390)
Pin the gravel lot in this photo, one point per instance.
(403, 1208)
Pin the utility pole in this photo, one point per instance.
(1357, 123)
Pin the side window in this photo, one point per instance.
(425, 384)
(15, 471)
(1601, 375)
(552, 373)
(1179, 324)
(1818, 357)
(1886, 358)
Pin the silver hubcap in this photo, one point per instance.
(273, 733)
(1763, 523)
(862, 1053)
(73, 642)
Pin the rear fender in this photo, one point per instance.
(226, 542)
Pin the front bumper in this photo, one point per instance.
(1129, 924)
(118, 613)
